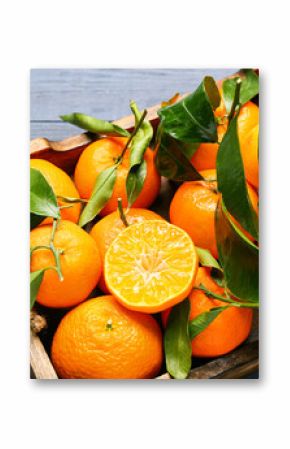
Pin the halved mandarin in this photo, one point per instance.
(151, 266)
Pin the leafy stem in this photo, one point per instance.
(122, 213)
(236, 100)
(51, 267)
(55, 251)
(35, 248)
(67, 199)
(68, 206)
(54, 227)
(227, 299)
(133, 134)
(105, 181)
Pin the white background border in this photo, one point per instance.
(205, 414)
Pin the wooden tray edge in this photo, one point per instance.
(236, 365)
(41, 143)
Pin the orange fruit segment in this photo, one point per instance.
(151, 266)
(107, 229)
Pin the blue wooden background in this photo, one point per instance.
(103, 93)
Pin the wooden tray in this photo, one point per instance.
(236, 365)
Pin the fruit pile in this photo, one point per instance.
(143, 292)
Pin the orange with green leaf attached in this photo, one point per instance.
(62, 185)
(193, 209)
(79, 264)
(104, 153)
(227, 331)
(248, 125)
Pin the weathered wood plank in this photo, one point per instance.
(103, 93)
(228, 365)
(242, 371)
(39, 360)
(236, 365)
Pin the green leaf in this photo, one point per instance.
(231, 180)
(35, 220)
(35, 281)
(218, 276)
(191, 120)
(249, 88)
(135, 181)
(206, 259)
(177, 342)
(171, 159)
(42, 198)
(184, 125)
(238, 256)
(102, 192)
(94, 125)
(202, 321)
(140, 142)
(142, 138)
(227, 298)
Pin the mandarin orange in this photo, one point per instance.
(193, 209)
(249, 150)
(227, 331)
(205, 156)
(101, 339)
(248, 119)
(62, 185)
(103, 154)
(79, 260)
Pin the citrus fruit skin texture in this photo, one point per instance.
(249, 150)
(247, 120)
(103, 154)
(100, 339)
(80, 264)
(151, 266)
(254, 201)
(248, 131)
(62, 185)
(107, 229)
(227, 331)
(205, 156)
(193, 209)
